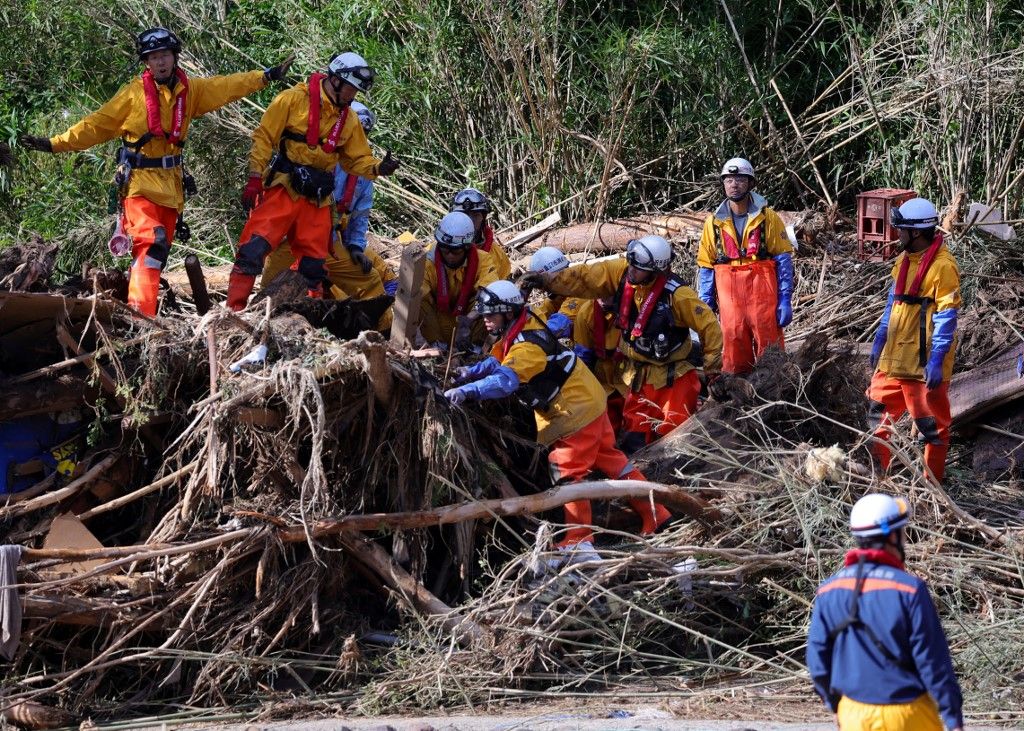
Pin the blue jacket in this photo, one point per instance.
(359, 217)
(899, 610)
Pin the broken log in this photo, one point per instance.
(524, 237)
(197, 283)
(408, 297)
(981, 389)
(46, 397)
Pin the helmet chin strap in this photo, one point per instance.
(738, 198)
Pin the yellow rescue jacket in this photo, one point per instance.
(436, 326)
(290, 111)
(901, 356)
(580, 400)
(501, 262)
(762, 221)
(568, 306)
(125, 116)
(603, 279)
(607, 368)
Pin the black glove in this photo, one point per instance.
(277, 73)
(388, 165)
(39, 144)
(360, 258)
(533, 280)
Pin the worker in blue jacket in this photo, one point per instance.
(875, 650)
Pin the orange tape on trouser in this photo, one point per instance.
(151, 227)
(918, 715)
(657, 411)
(748, 296)
(573, 457)
(894, 397)
(307, 226)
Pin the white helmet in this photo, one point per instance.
(500, 298)
(548, 259)
(651, 254)
(470, 199)
(366, 118)
(455, 230)
(915, 213)
(352, 69)
(878, 515)
(738, 166)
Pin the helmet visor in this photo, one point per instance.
(157, 39)
(364, 75)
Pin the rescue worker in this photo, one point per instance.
(453, 276)
(655, 312)
(745, 270)
(914, 347)
(305, 132)
(556, 310)
(477, 206)
(596, 335)
(357, 271)
(152, 114)
(527, 360)
(876, 651)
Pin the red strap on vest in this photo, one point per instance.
(732, 250)
(505, 344)
(443, 298)
(926, 261)
(156, 127)
(626, 306)
(488, 239)
(313, 126)
(345, 204)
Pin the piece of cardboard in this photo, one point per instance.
(67, 531)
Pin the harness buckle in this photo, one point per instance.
(170, 161)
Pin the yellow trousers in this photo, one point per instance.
(343, 273)
(919, 715)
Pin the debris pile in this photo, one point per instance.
(240, 510)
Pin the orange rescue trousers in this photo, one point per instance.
(748, 295)
(151, 227)
(276, 216)
(573, 457)
(655, 412)
(889, 398)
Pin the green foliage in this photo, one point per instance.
(599, 109)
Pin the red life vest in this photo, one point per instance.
(488, 241)
(444, 304)
(156, 127)
(313, 125)
(646, 308)
(502, 347)
(926, 261)
(729, 250)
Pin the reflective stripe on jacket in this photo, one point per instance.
(580, 400)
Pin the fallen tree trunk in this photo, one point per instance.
(982, 389)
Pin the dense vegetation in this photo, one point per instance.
(598, 109)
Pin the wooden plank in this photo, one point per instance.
(979, 390)
(524, 237)
(408, 297)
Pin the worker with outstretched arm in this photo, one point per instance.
(306, 131)
(655, 312)
(152, 115)
(529, 362)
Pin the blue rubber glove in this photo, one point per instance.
(784, 313)
(784, 274)
(706, 287)
(455, 395)
(560, 325)
(943, 333)
(587, 355)
(478, 370)
(876, 349)
(933, 372)
(391, 287)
